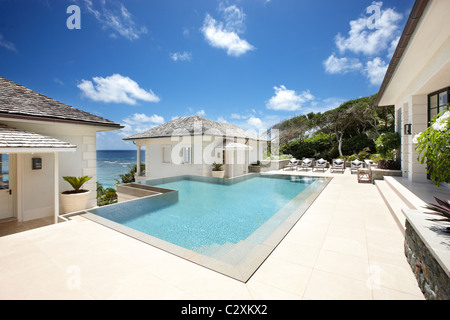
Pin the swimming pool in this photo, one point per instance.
(228, 225)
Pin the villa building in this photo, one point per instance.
(417, 81)
(190, 145)
(42, 140)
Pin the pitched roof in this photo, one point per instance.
(194, 125)
(12, 138)
(20, 102)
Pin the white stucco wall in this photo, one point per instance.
(209, 152)
(423, 69)
(34, 189)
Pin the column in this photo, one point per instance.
(418, 114)
(56, 186)
(138, 162)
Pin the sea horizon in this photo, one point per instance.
(112, 163)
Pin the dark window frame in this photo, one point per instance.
(436, 93)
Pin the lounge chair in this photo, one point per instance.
(370, 163)
(306, 164)
(355, 165)
(321, 164)
(338, 164)
(293, 164)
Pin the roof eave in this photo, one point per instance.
(408, 31)
(60, 120)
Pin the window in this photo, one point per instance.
(187, 155)
(437, 102)
(4, 171)
(166, 154)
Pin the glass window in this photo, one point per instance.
(437, 102)
(433, 113)
(4, 171)
(443, 98)
(187, 155)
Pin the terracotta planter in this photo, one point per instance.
(218, 174)
(74, 202)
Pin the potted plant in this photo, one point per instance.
(218, 170)
(76, 199)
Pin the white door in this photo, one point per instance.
(6, 199)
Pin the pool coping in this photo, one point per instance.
(259, 253)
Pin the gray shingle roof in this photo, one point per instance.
(18, 101)
(194, 125)
(16, 138)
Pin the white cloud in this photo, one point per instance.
(369, 38)
(392, 47)
(139, 122)
(6, 44)
(116, 89)
(288, 100)
(335, 65)
(201, 113)
(119, 20)
(225, 35)
(255, 122)
(178, 56)
(367, 41)
(375, 70)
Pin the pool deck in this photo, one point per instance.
(346, 246)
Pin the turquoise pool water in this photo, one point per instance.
(205, 213)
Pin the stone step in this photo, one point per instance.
(409, 198)
(393, 202)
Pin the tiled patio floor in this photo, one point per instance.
(346, 246)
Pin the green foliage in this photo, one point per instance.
(77, 182)
(433, 146)
(129, 176)
(217, 167)
(357, 143)
(105, 196)
(387, 144)
(350, 129)
(317, 146)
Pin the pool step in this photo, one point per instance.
(228, 252)
(238, 252)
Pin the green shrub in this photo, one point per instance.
(357, 143)
(387, 144)
(105, 196)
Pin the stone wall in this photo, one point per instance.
(432, 279)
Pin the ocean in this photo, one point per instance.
(111, 163)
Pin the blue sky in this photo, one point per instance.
(252, 63)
